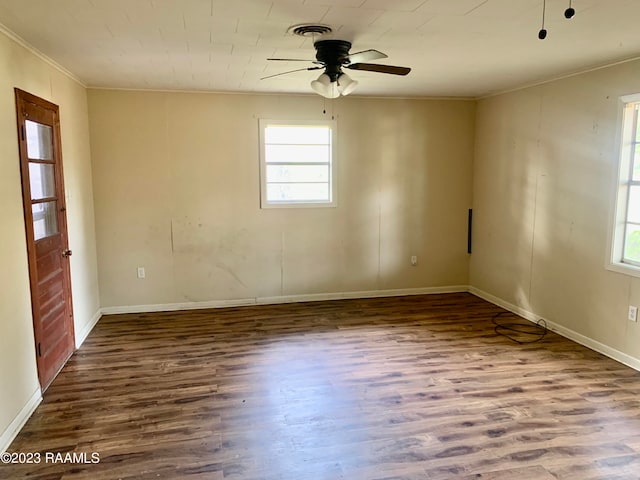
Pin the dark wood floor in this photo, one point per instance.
(397, 388)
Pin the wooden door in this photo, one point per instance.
(46, 228)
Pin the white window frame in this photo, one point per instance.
(628, 116)
(264, 203)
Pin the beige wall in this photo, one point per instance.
(20, 68)
(545, 168)
(176, 180)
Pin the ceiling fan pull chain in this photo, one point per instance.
(569, 12)
(542, 34)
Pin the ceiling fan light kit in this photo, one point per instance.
(346, 84)
(325, 87)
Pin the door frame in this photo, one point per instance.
(23, 98)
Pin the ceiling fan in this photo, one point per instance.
(333, 56)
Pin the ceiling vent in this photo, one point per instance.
(309, 29)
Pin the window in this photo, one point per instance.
(625, 247)
(297, 163)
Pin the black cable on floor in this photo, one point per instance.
(523, 328)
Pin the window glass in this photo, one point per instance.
(41, 180)
(296, 153)
(625, 251)
(297, 173)
(316, 192)
(39, 141)
(297, 163)
(298, 135)
(45, 219)
(633, 212)
(632, 243)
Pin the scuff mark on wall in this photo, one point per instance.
(228, 269)
(171, 228)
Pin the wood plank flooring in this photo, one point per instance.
(399, 388)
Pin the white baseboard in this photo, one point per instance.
(314, 297)
(400, 292)
(610, 352)
(84, 333)
(14, 428)
(171, 307)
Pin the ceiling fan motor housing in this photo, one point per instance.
(333, 54)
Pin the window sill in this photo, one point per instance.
(624, 268)
(298, 205)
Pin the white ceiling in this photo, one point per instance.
(466, 48)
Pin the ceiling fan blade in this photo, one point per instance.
(365, 56)
(291, 71)
(373, 67)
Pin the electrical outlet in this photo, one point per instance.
(141, 273)
(414, 260)
(633, 313)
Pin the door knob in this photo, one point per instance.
(67, 253)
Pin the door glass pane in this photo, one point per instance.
(45, 219)
(41, 180)
(39, 141)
